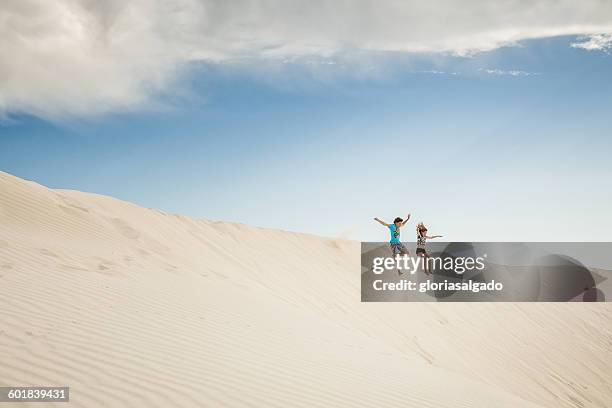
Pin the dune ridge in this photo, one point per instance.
(136, 307)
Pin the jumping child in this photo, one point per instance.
(397, 248)
(422, 237)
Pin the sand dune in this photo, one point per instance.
(135, 307)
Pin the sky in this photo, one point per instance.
(487, 124)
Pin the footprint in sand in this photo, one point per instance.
(35, 335)
(77, 267)
(48, 253)
(72, 203)
(105, 264)
(124, 228)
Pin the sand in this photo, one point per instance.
(136, 307)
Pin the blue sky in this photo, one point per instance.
(512, 144)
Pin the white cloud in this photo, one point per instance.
(83, 57)
(437, 72)
(510, 72)
(597, 42)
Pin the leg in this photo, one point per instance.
(420, 255)
(426, 258)
(396, 250)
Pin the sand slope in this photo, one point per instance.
(135, 307)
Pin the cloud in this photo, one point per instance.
(84, 57)
(437, 72)
(597, 42)
(511, 72)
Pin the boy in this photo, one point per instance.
(397, 248)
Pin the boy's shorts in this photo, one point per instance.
(399, 249)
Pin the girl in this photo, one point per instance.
(421, 241)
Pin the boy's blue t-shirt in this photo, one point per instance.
(395, 234)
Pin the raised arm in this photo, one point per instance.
(433, 236)
(381, 222)
(406, 220)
